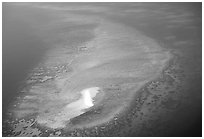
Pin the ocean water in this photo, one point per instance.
(22, 50)
(38, 33)
(26, 38)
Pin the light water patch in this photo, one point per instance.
(121, 55)
(71, 110)
(88, 94)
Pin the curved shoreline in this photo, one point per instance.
(145, 57)
(99, 82)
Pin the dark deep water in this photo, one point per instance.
(26, 38)
(23, 47)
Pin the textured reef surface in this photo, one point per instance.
(142, 84)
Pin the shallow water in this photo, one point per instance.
(25, 43)
(70, 47)
(22, 50)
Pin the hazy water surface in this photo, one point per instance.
(29, 32)
(22, 49)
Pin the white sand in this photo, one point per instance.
(121, 55)
(71, 110)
